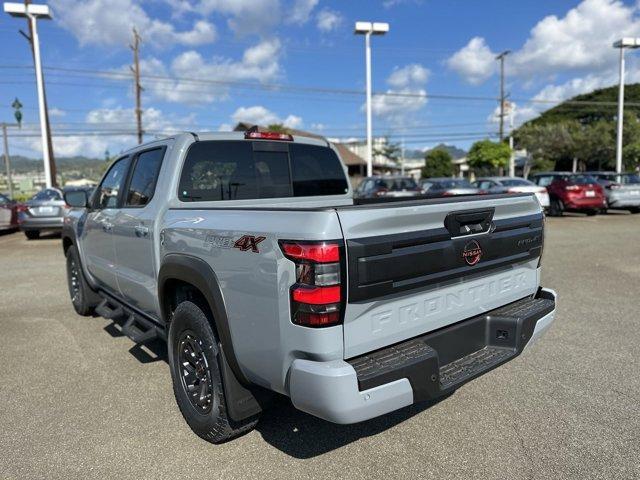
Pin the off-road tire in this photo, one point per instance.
(83, 298)
(190, 323)
(32, 234)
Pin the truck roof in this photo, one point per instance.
(221, 136)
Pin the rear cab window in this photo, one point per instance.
(240, 170)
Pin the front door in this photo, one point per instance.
(97, 233)
(134, 233)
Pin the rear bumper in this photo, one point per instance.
(41, 223)
(422, 368)
(584, 203)
(623, 201)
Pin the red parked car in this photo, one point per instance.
(572, 192)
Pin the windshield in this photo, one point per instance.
(580, 179)
(630, 179)
(48, 194)
(456, 184)
(516, 182)
(397, 184)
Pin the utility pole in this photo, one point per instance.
(502, 95)
(512, 156)
(136, 76)
(7, 159)
(32, 13)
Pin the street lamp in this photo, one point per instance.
(32, 13)
(367, 29)
(623, 43)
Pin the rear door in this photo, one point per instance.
(134, 232)
(6, 209)
(97, 231)
(418, 266)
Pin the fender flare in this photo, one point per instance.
(243, 399)
(197, 272)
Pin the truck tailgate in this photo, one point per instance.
(414, 267)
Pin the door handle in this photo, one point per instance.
(141, 232)
(107, 227)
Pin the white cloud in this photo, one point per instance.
(248, 17)
(259, 115)
(110, 22)
(56, 112)
(199, 80)
(475, 62)
(328, 20)
(116, 120)
(300, 11)
(406, 96)
(580, 41)
(413, 74)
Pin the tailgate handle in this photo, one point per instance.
(469, 222)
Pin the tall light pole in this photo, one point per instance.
(502, 96)
(33, 13)
(622, 44)
(367, 29)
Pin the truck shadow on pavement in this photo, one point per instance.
(281, 425)
(304, 436)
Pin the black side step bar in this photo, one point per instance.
(137, 327)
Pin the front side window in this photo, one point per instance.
(234, 170)
(145, 175)
(107, 195)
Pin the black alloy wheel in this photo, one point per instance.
(195, 374)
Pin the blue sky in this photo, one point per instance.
(209, 63)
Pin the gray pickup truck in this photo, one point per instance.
(247, 253)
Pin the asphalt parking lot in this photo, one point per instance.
(79, 401)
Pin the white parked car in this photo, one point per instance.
(513, 185)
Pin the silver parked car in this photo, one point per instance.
(44, 211)
(513, 185)
(621, 190)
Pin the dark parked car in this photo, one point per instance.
(45, 211)
(8, 213)
(391, 186)
(621, 190)
(572, 192)
(444, 187)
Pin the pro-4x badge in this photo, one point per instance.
(472, 252)
(248, 242)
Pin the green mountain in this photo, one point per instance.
(601, 104)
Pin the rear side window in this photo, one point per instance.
(143, 180)
(232, 170)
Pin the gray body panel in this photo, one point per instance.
(126, 258)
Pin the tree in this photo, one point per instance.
(390, 151)
(437, 163)
(631, 156)
(278, 127)
(488, 155)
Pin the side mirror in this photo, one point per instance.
(77, 198)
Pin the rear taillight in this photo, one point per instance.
(447, 193)
(614, 186)
(317, 297)
(541, 190)
(512, 190)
